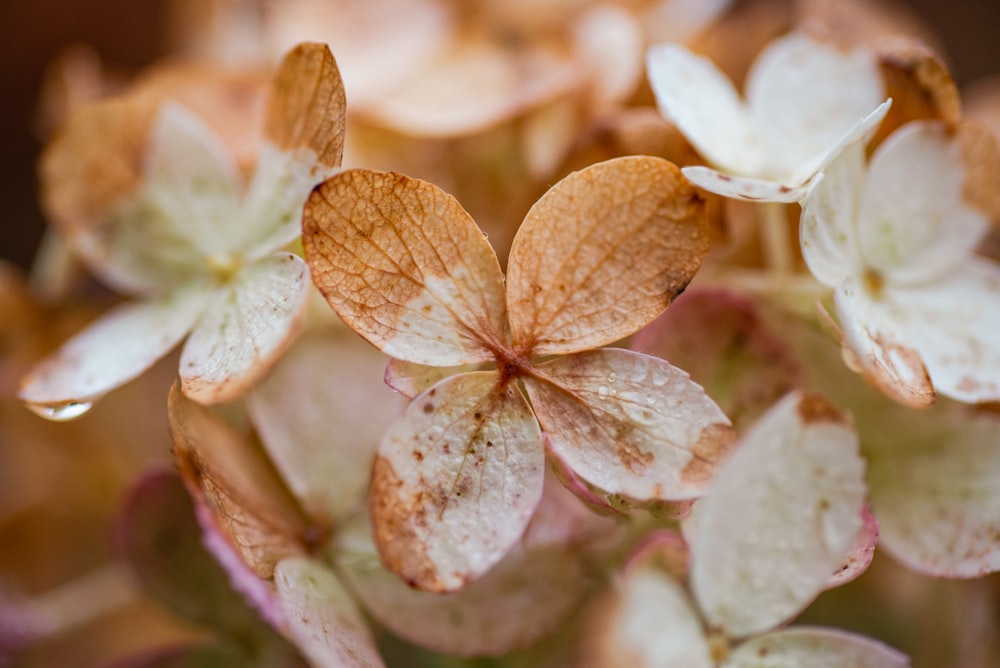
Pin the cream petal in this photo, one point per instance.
(816, 648)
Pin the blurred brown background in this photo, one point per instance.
(129, 33)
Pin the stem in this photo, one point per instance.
(775, 238)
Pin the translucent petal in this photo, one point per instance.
(456, 480)
(804, 96)
(798, 481)
(249, 503)
(630, 423)
(816, 648)
(602, 253)
(411, 379)
(113, 350)
(938, 500)
(744, 187)
(954, 325)
(321, 618)
(646, 621)
(699, 99)
(247, 326)
(406, 267)
(827, 228)
(914, 224)
(320, 414)
(523, 598)
(886, 353)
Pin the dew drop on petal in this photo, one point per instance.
(61, 412)
(603, 390)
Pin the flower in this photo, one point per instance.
(805, 99)
(154, 203)
(896, 240)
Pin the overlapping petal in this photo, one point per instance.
(816, 648)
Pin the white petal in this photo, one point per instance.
(886, 353)
(913, 223)
(320, 617)
(191, 178)
(827, 227)
(696, 97)
(630, 423)
(779, 518)
(816, 648)
(804, 95)
(247, 325)
(113, 350)
(860, 557)
(646, 622)
(955, 326)
(743, 187)
(320, 414)
(938, 497)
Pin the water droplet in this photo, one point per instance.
(650, 399)
(61, 412)
(603, 390)
(612, 377)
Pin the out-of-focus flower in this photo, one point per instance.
(154, 203)
(805, 99)
(896, 239)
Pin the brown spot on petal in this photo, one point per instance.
(396, 516)
(713, 445)
(814, 408)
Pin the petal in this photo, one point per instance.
(816, 648)
(304, 128)
(523, 598)
(247, 326)
(798, 481)
(630, 424)
(456, 480)
(886, 355)
(829, 213)
(602, 253)
(320, 414)
(321, 618)
(645, 622)
(252, 507)
(411, 379)
(406, 267)
(699, 99)
(112, 351)
(914, 224)
(804, 96)
(860, 556)
(744, 187)
(919, 84)
(954, 325)
(720, 339)
(938, 499)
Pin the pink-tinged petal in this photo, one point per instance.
(744, 187)
(860, 557)
(938, 500)
(827, 229)
(190, 182)
(321, 618)
(877, 343)
(602, 253)
(456, 481)
(722, 341)
(320, 414)
(955, 326)
(645, 621)
(805, 95)
(110, 352)
(411, 379)
(779, 518)
(406, 267)
(246, 327)
(914, 224)
(696, 97)
(597, 501)
(525, 597)
(664, 548)
(816, 648)
(630, 423)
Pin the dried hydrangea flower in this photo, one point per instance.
(601, 254)
(169, 218)
(896, 239)
(805, 99)
(797, 480)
